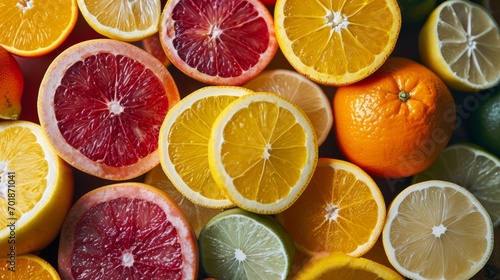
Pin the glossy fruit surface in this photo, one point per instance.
(11, 86)
(27, 267)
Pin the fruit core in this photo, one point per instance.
(25, 5)
(336, 20)
(438, 230)
(4, 181)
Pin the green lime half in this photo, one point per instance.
(237, 244)
(472, 168)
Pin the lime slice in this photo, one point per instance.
(237, 244)
(473, 168)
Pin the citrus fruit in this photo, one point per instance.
(11, 86)
(229, 44)
(27, 267)
(196, 215)
(344, 267)
(257, 248)
(36, 189)
(472, 168)
(303, 92)
(341, 210)
(32, 28)
(183, 145)
(437, 230)
(395, 122)
(122, 20)
(484, 122)
(262, 152)
(414, 12)
(336, 42)
(460, 41)
(102, 103)
(127, 231)
(153, 46)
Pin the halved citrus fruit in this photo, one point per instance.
(183, 144)
(344, 267)
(262, 152)
(237, 244)
(472, 168)
(127, 231)
(460, 41)
(27, 267)
(437, 230)
(122, 20)
(303, 92)
(337, 42)
(34, 28)
(218, 42)
(36, 189)
(102, 103)
(341, 210)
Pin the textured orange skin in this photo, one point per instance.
(11, 86)
(386, 136)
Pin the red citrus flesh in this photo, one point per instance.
(127, 231)
(221, 42)
(102, 103)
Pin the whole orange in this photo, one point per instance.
(11, 86)
(395, 122)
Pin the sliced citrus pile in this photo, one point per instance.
(303, 92)
(27, 267)
(337, 42)
(460, 41)
(11, 86)
(219, 42)
(341, 210)
(344, 267)
(437, 230)
(36, 189)
(196, 215)
(122, 20)
(127, 231)
(34, 28)
(472, 168)
(102, 103)
(183, 145)
(262, 152)
(257, 248)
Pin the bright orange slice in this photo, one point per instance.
(27, 267)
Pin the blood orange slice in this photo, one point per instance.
(102, 103)
(219, 42)
(127, 231)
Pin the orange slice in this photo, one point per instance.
(34, 28)
(218, 42)
(102, 103)
(27, 267)
(341, 210)
(337, 42)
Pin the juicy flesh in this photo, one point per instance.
(111, 108)
(219, 37)
(126, 238)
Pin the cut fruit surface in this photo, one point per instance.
(472, 168)
(337, 42)
(341, 210)
(218, 42)
(102, 103)
(34, 28)
(437, 230)
(262, 152)
(36, 189)
(183, 144)
(344, 267)
(460, 41)
(122, 20)
(303, 92)
(27, 267)
(127, 230)
(257, 248)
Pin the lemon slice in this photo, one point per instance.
(437, 230)
(262, 152)
(460, 41)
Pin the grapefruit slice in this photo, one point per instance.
(218, 42)
(127, 231)
(102, 103)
